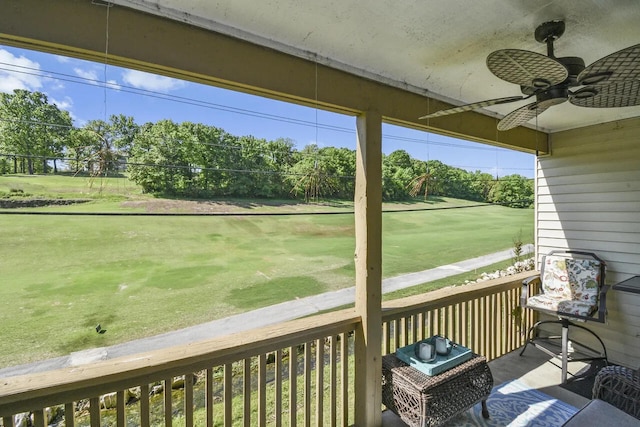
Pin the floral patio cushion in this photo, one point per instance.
(558, 305)
(569, 285)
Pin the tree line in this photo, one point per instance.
(194, 160)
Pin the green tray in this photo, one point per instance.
(458, 355)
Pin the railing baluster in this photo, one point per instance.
(405, 330)
(228, 394)
(144, 406)
(168, 404)
(8, 421)
(120, 414)
(278, 389)
(307, 384)
(69, 415)
(319, 382)
(474, 318)
(94, 411)
(293, 386)
(463, 325)
(452, 322)
(482, 341)
(246, 391)
(396, 334)
(208, 396)
(39, 418)
(496, 326)
(344, 357)
(262, 390)
(334, 385)
(188, 400)
(386, 344)
(506, 330)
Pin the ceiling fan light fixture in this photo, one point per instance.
(595, 78)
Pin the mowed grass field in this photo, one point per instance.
(61, 275)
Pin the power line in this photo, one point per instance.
(252, 113)
(234, 214)
(196, 169)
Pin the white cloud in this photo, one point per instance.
(56, 85)
(64, 104)
(62, 59)
(112, 84)
(142, 80)
(90, 75)
(14, 75)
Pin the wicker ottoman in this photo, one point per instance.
(421, 400)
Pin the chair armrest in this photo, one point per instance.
(620, 387)
(525, 289)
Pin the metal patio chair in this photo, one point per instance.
(572, 289)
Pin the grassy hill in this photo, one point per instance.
(147, 274)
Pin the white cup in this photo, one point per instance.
(425, 351)
(442, 346)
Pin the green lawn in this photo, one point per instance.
(142, 275)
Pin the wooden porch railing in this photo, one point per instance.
(250, 378)
(483, 317)
(269, 376)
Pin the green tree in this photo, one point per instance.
(159, 158)
(339, 164)
(32, 128)
(514, 191)
(397, 174)
(309, 175)
(419, 182)
(104, 146)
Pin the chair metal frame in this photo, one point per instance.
(565, 318)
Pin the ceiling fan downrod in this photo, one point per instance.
(549, 32)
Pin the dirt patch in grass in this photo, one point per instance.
(223, 206)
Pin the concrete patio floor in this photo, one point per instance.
(533, 369)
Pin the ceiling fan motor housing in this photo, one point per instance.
(574, 65)
(552, 96)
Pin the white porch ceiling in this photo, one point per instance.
(436, 47)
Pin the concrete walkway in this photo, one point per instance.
(257, 318)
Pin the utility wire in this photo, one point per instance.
(234, 214)
(252, 113)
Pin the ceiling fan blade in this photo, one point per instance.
(620, 66)
(520, 116)
(474, 106)
(623, 94)
(526, 68)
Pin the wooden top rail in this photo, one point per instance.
(403, 307)
(27, 392)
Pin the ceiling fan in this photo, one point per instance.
(610, 82)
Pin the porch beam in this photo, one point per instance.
(368, 264)
(142, 41)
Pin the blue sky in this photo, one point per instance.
(78, 87)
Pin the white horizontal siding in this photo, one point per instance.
(588, 199)
(581, 225)
(620, 217)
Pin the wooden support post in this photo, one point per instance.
(368, 263)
